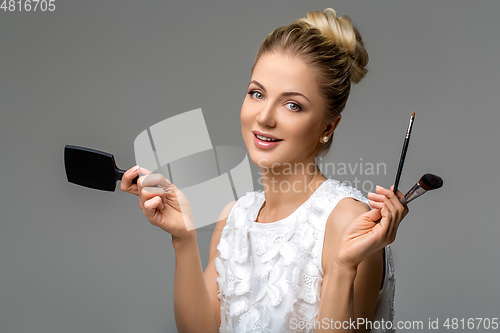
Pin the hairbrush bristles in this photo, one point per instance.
(430, 182)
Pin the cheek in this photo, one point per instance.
(303, 133)
(246, 123)
(245, 115)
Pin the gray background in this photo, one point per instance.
(97, 73)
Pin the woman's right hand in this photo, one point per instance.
(165, 206)
(127, 185)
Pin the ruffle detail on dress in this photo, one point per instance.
(306, 280)
(237, 280)
(390, 277)
(271, 243)
(287, 262)
(238, 307)
(271, 284)
(393, 290)
(308, 240)
(234, 239)
(221, 270)
(299, 315)
(390, 261)
(251, 201)
(252, 321)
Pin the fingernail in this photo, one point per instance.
(136, 168)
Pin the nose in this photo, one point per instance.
(266, 116)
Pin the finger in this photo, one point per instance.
(152, 204)
(398, 193)
(148, 193)
(387, 223)
(141, 201)
(386, 213)
(388, 220)
(388, 193)
(398, 216)
(373, 214)
(152, 209)
(387, 198)
(402, 210)
(376, 197)
(139, 191)
(156, 180)
(377, 200)
(395, 206)
(143, 171)
(126, 181)
(139, 182)
(376, 204)
(400, 196)
(130, 174)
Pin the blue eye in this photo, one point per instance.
(295, 106)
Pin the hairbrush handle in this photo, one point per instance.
(119, 174)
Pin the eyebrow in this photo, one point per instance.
(288, 93)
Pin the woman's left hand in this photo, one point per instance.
(373, 230)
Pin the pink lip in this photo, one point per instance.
(264, 144)
(266, 135)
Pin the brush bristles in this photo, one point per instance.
(430, 182)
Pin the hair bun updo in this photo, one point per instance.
(341, 33)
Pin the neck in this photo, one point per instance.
(286, 188)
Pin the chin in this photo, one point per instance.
(261, 159)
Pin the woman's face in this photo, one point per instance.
(283, 102)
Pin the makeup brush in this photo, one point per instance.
(403, 152)
(426, 183)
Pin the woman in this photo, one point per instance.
(307, 253)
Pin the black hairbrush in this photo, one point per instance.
(92, 168)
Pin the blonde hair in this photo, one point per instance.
(333, 48)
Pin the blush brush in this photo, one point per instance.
(428, 182)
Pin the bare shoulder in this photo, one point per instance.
(346, 210)
(225, 212)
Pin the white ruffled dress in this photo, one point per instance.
(270, 274)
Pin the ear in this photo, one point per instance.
(331, 126)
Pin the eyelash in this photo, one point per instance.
(251, 92)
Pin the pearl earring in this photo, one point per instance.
(325, 139)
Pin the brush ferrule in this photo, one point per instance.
(412, 194)
(410, 124)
